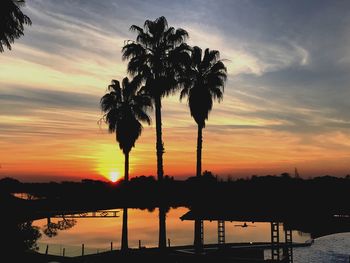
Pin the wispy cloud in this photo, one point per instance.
(286, 100)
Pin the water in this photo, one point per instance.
(97, 234)
(333, 248)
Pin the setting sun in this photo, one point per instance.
(114, 176)
(108, 161)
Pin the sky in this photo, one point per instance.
(286, 101)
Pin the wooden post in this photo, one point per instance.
(111, 246)
(139, 244)
(275, 241)
(47, 249)
(64, 252)
(168, 242)
(82, 249)
(288, 245)
(221, 232)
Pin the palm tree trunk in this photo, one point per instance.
(162, 228)
(160, 172)
(126, 167)
(159, 144)
(199, 151)
(198, 224)
(124, 246)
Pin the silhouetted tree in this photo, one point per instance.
(11, 22)
(203, 83)
(156, 56)
(18, 238)
(125, 108)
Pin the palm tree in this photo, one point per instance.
(11, 22)
(203, 83)
(157, 56)
(125, 108)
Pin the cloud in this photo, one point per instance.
(286, 99)
(43, 98)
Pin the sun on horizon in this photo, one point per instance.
(114, 176)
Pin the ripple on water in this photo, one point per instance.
(329, 249)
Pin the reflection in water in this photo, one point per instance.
(125, 245)
(51, 229)
(162, 228)
(98, 233)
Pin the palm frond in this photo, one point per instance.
(184, 92)
(218, 67)
(178, 37)
(137, 29)
(216, 93)
(210, 57)
(196, 56)
(12, 22)
(132, 49)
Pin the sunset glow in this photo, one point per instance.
(285, 103)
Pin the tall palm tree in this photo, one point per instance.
(203, 83)
(125, 108)
(11, 22)
(157, 56)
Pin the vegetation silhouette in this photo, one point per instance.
(18, 237)
(277, 195)
(158, 57)
(203, 82)
(125, 108)
(51, 229)
(308, 205)
(12, 22)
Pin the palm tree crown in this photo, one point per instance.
(125, 108)
(156, 55)
(204, 82)
(11, 22)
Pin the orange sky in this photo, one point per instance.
(278, 113)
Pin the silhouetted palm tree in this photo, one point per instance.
(156, 56)
(125, 108)
(203, 83)
(11, 22)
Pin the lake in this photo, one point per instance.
(97, 234)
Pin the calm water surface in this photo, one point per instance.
(98, 233)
